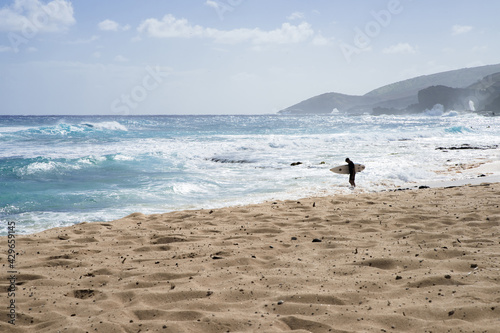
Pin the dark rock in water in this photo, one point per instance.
(467, 146)
(226, 160)
(296, 163)
(481, 175)
(423, 186)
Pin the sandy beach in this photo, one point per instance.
(424, 260)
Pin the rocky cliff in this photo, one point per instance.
(483, 95)
(468, 89)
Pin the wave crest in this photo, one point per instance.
(64, 129)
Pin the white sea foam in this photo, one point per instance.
(121, 157)
(13, 129)
(436, 111)
(107, 125)
(44, 168)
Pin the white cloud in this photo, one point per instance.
(171, 27)
(5, 49)
(84, 41)
(296, 16)
(110, 25)
(33, 16)
(401, 48)
(212, 4)
(286, 34)
(460, 29)
(120, 58)
(319, 40)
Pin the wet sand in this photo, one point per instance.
(423, 260)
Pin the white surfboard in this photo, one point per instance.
(344, 169)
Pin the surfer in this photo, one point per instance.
(352, 172)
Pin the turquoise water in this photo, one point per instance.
(57, 170)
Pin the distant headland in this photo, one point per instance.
(474, 89)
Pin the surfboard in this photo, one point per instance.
(344, 169)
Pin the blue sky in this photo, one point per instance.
(227, 56)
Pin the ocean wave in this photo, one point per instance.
(458, 130)
(42, 166)
(192, 188)
(438, 111)
(64, 129)
(451, 114)
(11, 129)
(121, 157)
(107, 125)
(9, 209)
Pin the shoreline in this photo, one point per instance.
(490, 177)
(380, 261)
(478, 180)
(486, 172)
